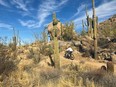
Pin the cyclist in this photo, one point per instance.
(68, 53)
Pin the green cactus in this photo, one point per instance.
(83, 29)
(91, 28)
(14, 41)
(61, 31)
(95, 30)
(55, 21)
(88, 22)
(83, 25)
(56, 45)
(56, 54)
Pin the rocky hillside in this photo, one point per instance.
(108, 27)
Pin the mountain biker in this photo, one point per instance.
(68, 53)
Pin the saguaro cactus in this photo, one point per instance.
(61, 30)
(95, 30)
(83, 25)
(56, 46)
(88, 22)
(14, 41)
(83, 29)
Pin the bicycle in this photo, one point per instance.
(69, 55)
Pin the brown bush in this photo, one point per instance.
(6, 66)
(110, 67)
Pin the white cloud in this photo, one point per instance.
(3, 3)
(20, 4)
(30, 24)
(3, 25)
(47, 7)
(103, 11)
(79, 10)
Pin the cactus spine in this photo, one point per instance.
(95, 30)
(56, 46)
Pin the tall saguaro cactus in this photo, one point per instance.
(61, 30)
(56, 46)
(88, 22)
(83, 29)
(14, 41)
(83, 25)
(95, 30)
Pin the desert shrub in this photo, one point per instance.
(83, 33)
(30, 55)
(100, 77)
(68, 32)
(7, 66)
(102, 42)
(42, 48)
(37, 58)
(50, 75)
(110, 67)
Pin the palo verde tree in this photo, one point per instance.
(44, 37)
(68, 32)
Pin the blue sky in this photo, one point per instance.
(31, 16)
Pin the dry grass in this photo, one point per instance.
(72, 75)
(32, 70)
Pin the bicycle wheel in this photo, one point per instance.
(72, 57)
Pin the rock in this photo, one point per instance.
(76, 43)
(20, 51)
